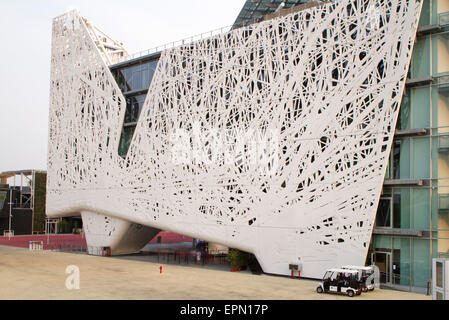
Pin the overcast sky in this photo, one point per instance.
(25, 48)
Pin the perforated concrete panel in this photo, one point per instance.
(273, 138)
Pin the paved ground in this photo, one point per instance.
(28, 274)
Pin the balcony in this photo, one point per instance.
(443, 202)
(444, 19)
(411, 133)
(396, 232)
(416, 82)
(443, 143)
(406, 182)
(431, 28)
(443, 84)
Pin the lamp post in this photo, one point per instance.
(10, 209)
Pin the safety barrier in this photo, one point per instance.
(402, 283)
(36, 245)
(185, 41)
(66, 247)
(191, 258)
(8, 233)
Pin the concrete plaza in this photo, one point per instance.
(26, 274)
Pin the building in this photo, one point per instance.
(412, 219)
(22, 202)
(412, 225)
(273, 137)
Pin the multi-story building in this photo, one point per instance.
(412, 223)
(22, 202)
(134, 143)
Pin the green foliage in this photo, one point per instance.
(65, 227)
(237, 258)
(40, 192)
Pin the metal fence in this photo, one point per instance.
(402, 283)
(184, 257)
(185, 41)
(66, 247)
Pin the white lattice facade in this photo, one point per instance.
(325, 83)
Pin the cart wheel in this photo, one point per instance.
(350, 293)
(319, 290)
(371, 289)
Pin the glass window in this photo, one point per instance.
(420, 98)
(401, 208)
(425, 14)
(442, 5)
(401, 159)
(145, 76)
(396, 155)
(421, 158)
(388, 173)
(129, 110)
(421, 262)
(152, 68)
(134, 106)
(441, 101)
(421, 208)
(442, 48)
(401, 261)
(383, 216)
(137, 79)
(127, 73)
(382, 243)
(404, 120)
(421, 58)
(439, 274)
(125, 141)
(397, 211)
(141, 101)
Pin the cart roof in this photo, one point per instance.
(342, 270)
(356, 267)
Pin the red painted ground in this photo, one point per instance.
(170, 237)
(57, 241)
(75, 241)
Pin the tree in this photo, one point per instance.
(237, 258)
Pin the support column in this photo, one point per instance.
(121, 236)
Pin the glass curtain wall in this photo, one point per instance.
(419, 208)
(134, 81)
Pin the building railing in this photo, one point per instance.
(444, 255)
(66, 247)
(185, 41)
(190, 257)
(402, 283)
(8, 233)
(443, 79)
(443, 143)
(443, 202)
(444, 18)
